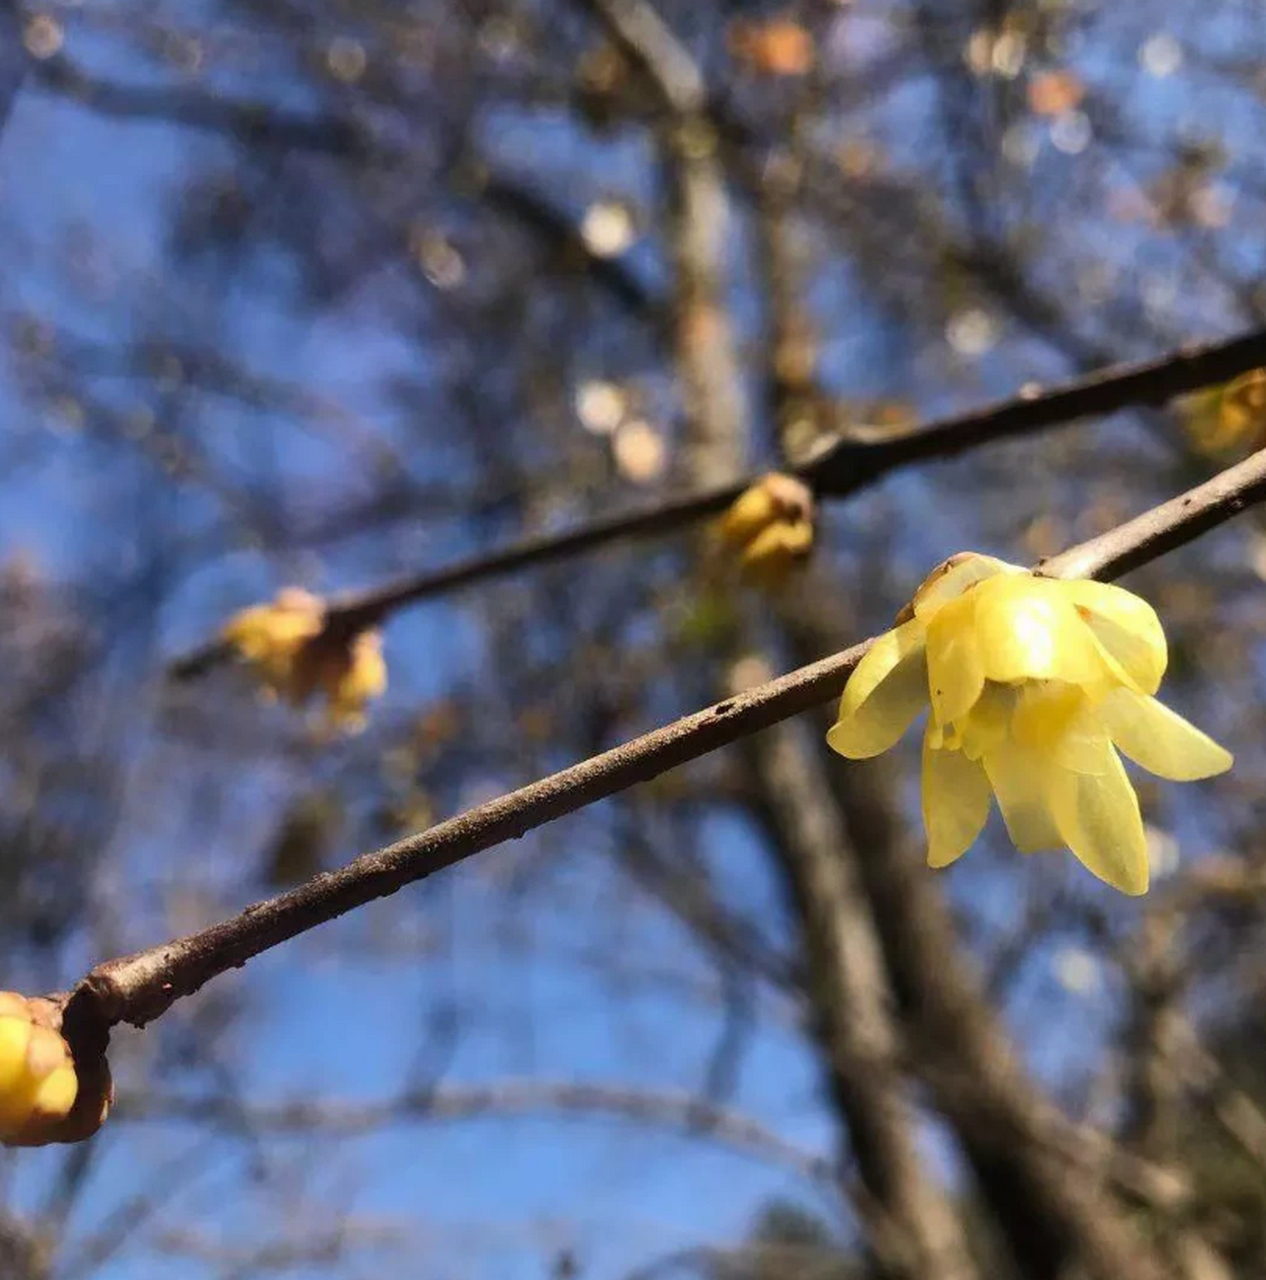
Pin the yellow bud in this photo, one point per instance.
(1229, 419)
(771, 525)
(348, 670)
(296, 656)
(56, 1095)
(270, 636)
(776, 550)
(15, 1036)
(1243, 410)
(38, 1083)
(750, 513)
(363, 678)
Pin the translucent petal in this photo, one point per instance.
(15, 1037)
(1029, 630)
(884, 694)
(1018, 777)
(956, 671)
(1059, 721)
(948, 581)
(1126, 626)
(1098, 817)
(988, 724)
(56, 1093)
(1161, 740)
(955, 803)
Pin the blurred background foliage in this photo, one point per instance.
(318, 292)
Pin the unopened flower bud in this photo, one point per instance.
(38, 1085)
(296, 655)
(771, 525)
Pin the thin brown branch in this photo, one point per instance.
(260, 123)
(843, 468)
(672, 1110)
(1173, 523)
(138, 988)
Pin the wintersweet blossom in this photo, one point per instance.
(1034, 685)
(38, 1085)
(296, 656)
(771, 525)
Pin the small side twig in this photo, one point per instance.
(843, 467)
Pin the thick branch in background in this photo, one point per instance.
(698, 234)
(911, 1226)
(1018, 1144)
(842, 468)
(260, 123)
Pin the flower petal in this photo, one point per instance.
(1160, 739)
(884, 694)
(950, 580)
(1098, 817)
(955, 802)
(988, 723)
(1029, 630)
(1126, 626)
(1018, 777)
(1060, 722)
(956, 670)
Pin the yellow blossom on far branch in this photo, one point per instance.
(297, 656)
(1229, 420)
(771, 526)
(1034, 685)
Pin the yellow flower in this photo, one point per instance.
(1034, 685)
(1229, 419)
(296, 656)
(38, 1085)
(771, 526)
(270, 636)
(350, 671)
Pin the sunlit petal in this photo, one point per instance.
(884, 694)
(988, 724)
(1126, 626)
(1058, 721)
(1018, 777)
(956, 669)
(1161, 740)
(1028, 630)
(948, 581)
(955, 802)
(1098, 817)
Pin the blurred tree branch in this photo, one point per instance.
(683, 1112)
(842, 468)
